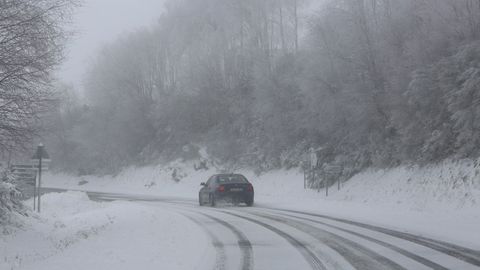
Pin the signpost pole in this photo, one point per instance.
(304, 178)
(39, 179)
(34, 193)
(28, 173)
(326, 188)
(327, 182)
(339, 179)
(40, 154)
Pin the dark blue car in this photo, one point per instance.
(233, 188)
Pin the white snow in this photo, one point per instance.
(152, 180)
(441, 200)
(76, 233)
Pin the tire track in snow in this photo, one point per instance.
(309, 256)
(462, 253)
(221, 256)
(358, 256)
(404, 252)
(243, 242)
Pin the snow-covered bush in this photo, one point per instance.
(444, 101)
(9, 198)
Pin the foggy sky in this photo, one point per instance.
(99, 22)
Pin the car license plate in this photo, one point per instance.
(236, 189)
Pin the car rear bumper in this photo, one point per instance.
(235, 196)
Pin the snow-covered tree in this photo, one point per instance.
(31, 44)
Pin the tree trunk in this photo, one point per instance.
(295, 16)
(282, 31)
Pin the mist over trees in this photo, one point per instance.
(259, 82)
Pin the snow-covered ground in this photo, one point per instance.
(442, 200)
(439, 201)
(448, 186)
(76, 233)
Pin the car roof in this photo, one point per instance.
(229, 174)
(239, 177)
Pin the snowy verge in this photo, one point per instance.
(448, 186)
(73, 232)
(441, 200)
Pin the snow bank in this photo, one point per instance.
(446, 186)
(66, 204)
(441, 201)
(177, 179)
(121, 235)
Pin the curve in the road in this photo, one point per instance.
(221, 256)
(243, 242)
(358, 256)
(404, 252)
(310, 256)
(462, 253)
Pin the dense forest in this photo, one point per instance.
(259, 82)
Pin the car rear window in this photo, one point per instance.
(231, 179)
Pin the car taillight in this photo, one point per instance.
(250, 188)
(221, 188)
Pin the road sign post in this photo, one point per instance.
(339, 179)
(40, 154)
(35, 193)
(313, 158)
(26, 175)
(39, 180)
(304, 177)
(331, 171)
(327, 182)
(35, 196)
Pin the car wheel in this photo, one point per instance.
(249, 203)
(212, 200)
(200, 200)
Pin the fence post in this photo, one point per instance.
(35, 193)
(304, 178)
(326, 185)
(339, 179)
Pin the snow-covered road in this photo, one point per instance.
(267, 238)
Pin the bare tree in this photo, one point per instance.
(32, 40)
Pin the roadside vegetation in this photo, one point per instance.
(32, 39)
(372, 83)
